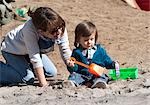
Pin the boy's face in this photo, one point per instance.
(52, 35)
(87, 42)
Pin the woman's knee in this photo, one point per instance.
(51, 73)
(49, 67)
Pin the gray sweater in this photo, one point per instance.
(24, 40)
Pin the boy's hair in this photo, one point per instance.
(84, 29)
(46, 19)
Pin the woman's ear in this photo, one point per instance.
(40, 31)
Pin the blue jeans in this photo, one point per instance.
(17, 69)
(80, 79)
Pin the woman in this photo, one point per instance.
(23, 48)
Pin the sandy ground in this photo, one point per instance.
(125, 33)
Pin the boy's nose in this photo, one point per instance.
(89, 41)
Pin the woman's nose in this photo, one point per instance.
(59, 30)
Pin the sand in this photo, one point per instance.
(125, 33)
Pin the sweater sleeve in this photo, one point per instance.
(77, 68)
(31, 42)
(64, 48)
(108, 62)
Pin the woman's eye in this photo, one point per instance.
(92, 38)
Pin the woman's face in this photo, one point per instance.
(87, 42)
(56, 34)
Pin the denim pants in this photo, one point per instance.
(80, 79)
(18, 68)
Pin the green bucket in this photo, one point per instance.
(21, 11)
(125, 73)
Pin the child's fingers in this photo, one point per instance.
(70, 63)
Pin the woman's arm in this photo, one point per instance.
(41, 77)
(30, 39)
(64, 47)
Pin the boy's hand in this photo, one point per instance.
(70, 62)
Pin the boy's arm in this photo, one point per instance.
(108, 62)
(72, 69)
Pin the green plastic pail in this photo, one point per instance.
(125, 73)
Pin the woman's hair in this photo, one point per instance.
(84, 29)
(46, 19)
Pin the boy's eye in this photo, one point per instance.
(85, 40)
(89, 39)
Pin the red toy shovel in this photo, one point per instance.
(93, 68)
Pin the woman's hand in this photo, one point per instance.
(44, 84)
(41, 77)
